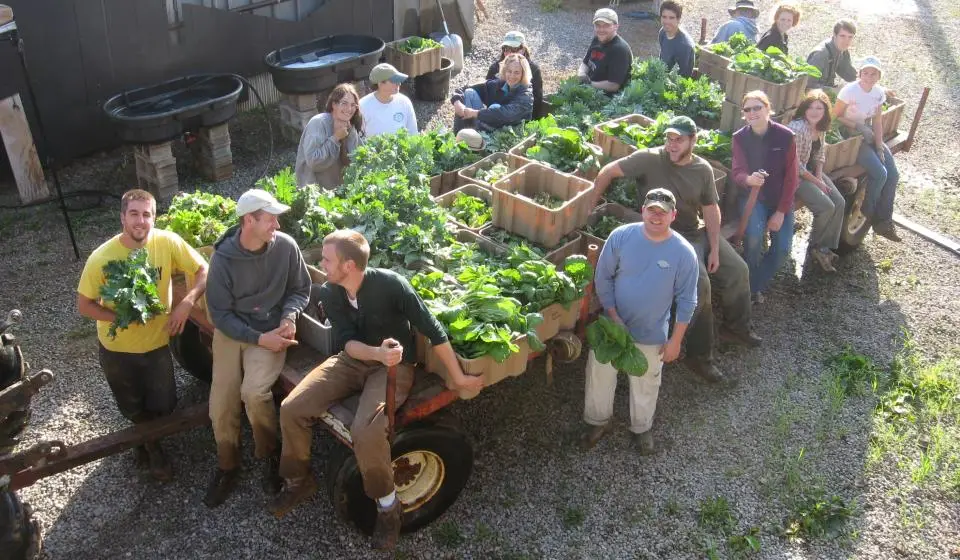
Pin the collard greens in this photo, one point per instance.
(612, 344)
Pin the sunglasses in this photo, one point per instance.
(659, 197)
(754, 109)
(343, 103)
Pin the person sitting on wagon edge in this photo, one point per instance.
(676, 45)
(259, 285)
(832, 57)
(743, 19)
(607, 63)
(490, 105)
(371, 310)
(137, 362)
(690, 179)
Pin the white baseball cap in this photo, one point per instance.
(259, 199)
(607, 15)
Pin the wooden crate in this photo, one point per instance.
(484, 366)
(841, 154)
(892, 117)
(515, 211)
(713, 66)
(613, 147)
(782, 96)
(518, 157)
(443, 183)
(414, 65)
(446, 201)
(469, 173)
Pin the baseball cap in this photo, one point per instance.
(744, 5)
(681, 125)
(258, 199)
(384, 72)
(513, 39)
(605, 14)
(471, 138)
(871, 62)
(661, 198)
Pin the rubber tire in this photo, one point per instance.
(191, 353)
(850, 241)
(345, 484)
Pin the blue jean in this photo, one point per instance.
(764, 265)
(881, 183)
(471, 100)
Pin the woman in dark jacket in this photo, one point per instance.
(513, 43)
(786, 18)
(765, 167)
(506, 100)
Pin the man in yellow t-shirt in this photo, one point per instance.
(137, 362)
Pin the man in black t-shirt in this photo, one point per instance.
(607, 63)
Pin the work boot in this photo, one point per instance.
(644, 442)
(222, 485)
(160, 468)
(593, 434)
(744, 338)
(888, 230)
(295, 492)
(272, 483)
(823, 259)
(386, 532)
(704, 369)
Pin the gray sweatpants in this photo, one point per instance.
(828, 210)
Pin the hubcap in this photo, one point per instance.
(418, 476)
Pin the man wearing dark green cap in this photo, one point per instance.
(690, 178)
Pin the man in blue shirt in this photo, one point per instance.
(643, 269)
(676, 46)
(743, 19)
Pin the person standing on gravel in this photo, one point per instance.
(651, 255)
(676, 45)
(832, 57)
(493, 104)
(372, 311)
(137, 361)
(743, 19)
(259, 285)
(690, 179)
(386, 110)
(608, 60)
(514, 43)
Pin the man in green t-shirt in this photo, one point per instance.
(690, 179)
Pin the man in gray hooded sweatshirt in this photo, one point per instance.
(258, 285)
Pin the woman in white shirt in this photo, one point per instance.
(386, 110)
(857, 103)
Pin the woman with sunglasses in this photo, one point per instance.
(816, 190)
(765, 166)
(329, 138)
(504, 101)
(514, 43)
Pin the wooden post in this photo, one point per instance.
(21, 151)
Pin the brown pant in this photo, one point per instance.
(245, 373)
(339, 377)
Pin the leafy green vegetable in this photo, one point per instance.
(838, 132)
(737, 43)
(548, 200)
(470, 210)
(715, 145)
(567, 150)
(612, 344)
(579, 104)
(604, 226)
(415, 45)
(772, 65)
(131, 286)
(199, 218)
(510, 240)
(503, 138)
(493, 174)
(625, 192)
(449, 154)
(654, 89)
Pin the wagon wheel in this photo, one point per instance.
(431, 465)
(855, 223)
(20, 537)
(565, 347)
(191, 353)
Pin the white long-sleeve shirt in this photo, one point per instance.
(384, 118)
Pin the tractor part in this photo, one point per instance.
(20, 537)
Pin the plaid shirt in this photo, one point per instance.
(804, 136)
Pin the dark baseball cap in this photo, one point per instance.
(661, 198)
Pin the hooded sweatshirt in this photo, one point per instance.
(740, 24)
(249, 293)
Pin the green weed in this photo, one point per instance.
(671, 508)
(572, 517)
(886, 265)
(715, 515)
(853, 372)
(745, 544)
(551, 5)
(448, 534)
(816, 515)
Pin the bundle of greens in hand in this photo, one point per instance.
(612, 344)
(131, 286)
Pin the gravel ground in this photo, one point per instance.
(533, 494)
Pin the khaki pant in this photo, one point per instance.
(602, 385)
(339, 377)
(243, 372)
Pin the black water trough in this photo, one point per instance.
(165, 111)
(323, 63)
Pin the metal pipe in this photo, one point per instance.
(256, 6)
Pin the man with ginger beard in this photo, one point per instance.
(690, 178)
